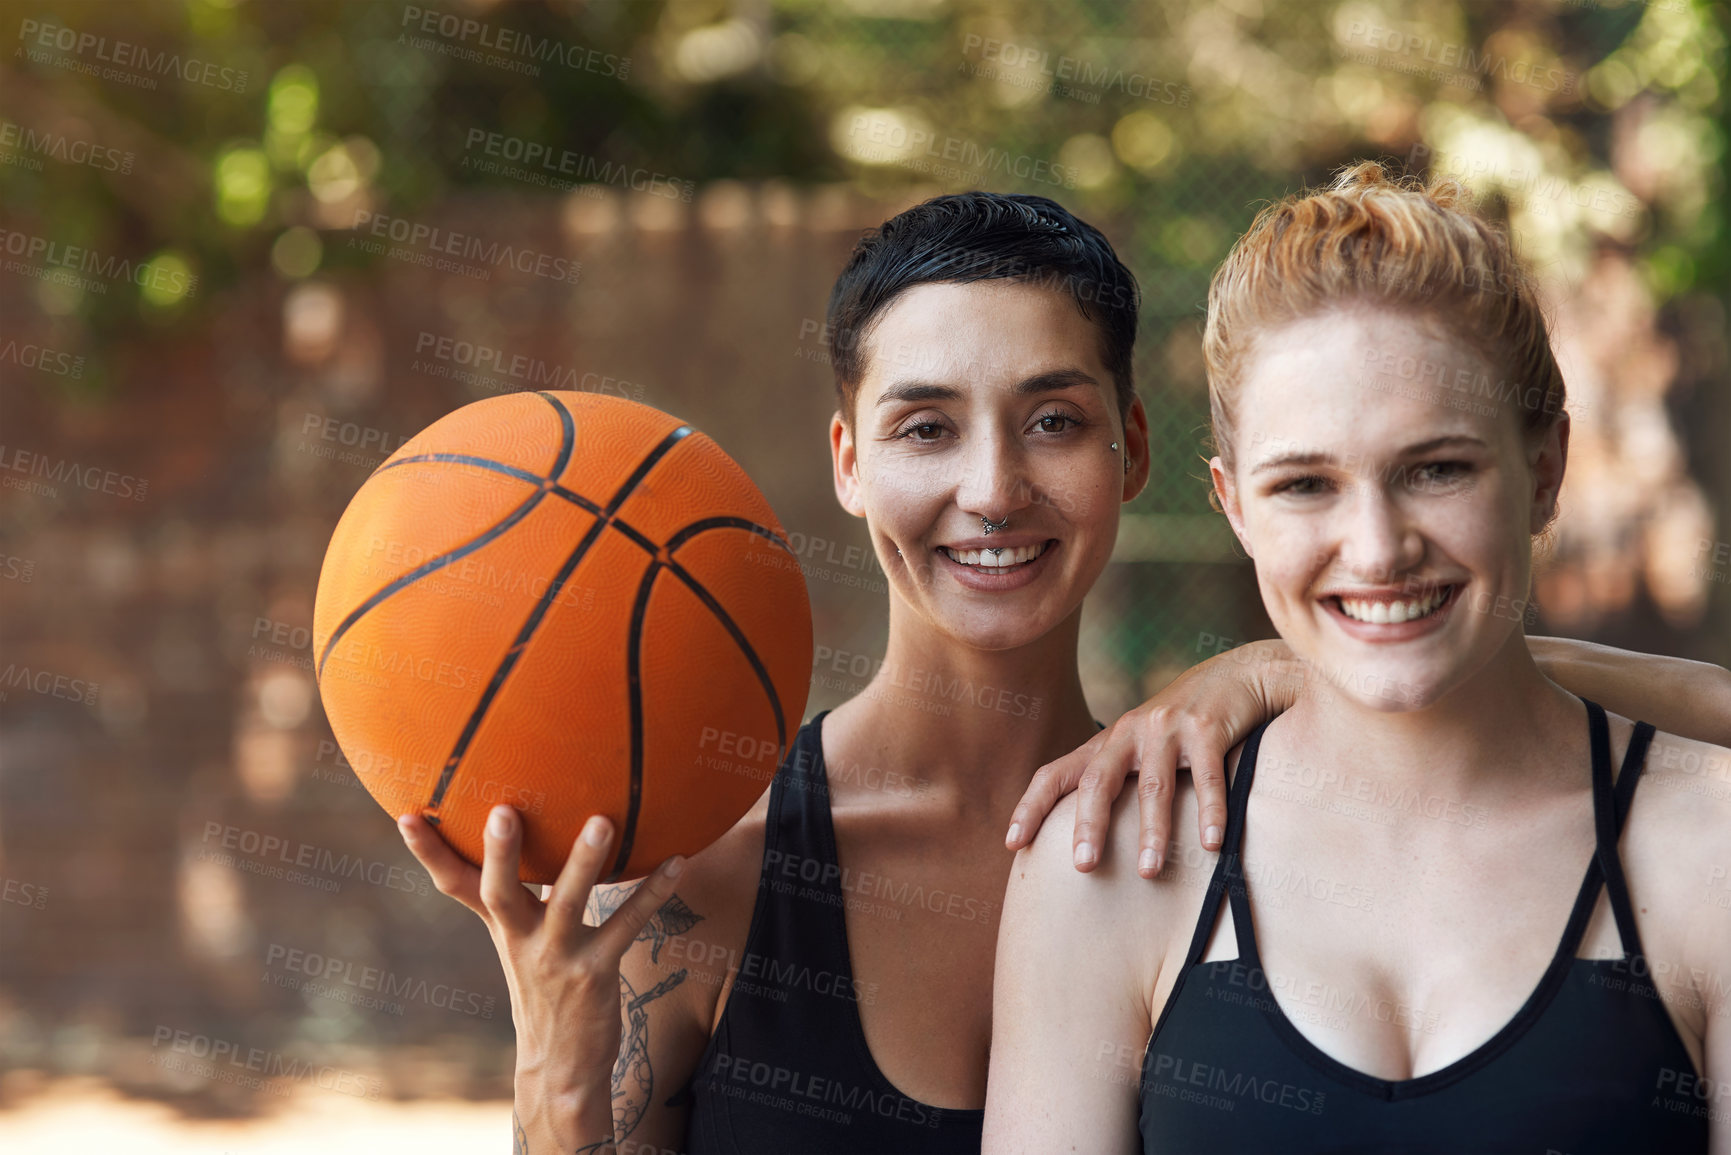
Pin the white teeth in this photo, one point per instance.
(1389, 613)
(995, 561)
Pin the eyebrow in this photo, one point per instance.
(915, 390)
(1319, 457)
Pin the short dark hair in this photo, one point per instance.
(979, 236)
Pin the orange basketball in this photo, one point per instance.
(571, 603)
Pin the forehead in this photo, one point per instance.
(1366, 381)
(994, 332)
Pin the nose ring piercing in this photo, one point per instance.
(987, 525)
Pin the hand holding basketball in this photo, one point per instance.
(563, 975)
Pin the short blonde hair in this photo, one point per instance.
(1390, 242)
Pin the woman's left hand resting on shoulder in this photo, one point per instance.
(1211, 707)
(1190, 724)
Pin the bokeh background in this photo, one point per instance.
(209, 338)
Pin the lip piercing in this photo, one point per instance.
(987, 525)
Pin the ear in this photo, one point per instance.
(1227, 489)
(1136, 449)
(1547, 469)
(845, 465)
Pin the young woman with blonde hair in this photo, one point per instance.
(1506, 946)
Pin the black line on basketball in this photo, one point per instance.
(688, 532)
(567, 435)
(486, 463)
(638, 538)
(634, 692)
(491, 466)
(432, 565)
(648, 545)
(634, 646)
(509, 661)
(567, 443)
(642, 471)
(742, 642)
(527, 632)
(575, 498)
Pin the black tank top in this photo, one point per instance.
(788, 1069)
(1590, 1063)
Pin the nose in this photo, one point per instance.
(994, 480)
(1379, 541)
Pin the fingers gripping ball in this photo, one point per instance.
(561, 601)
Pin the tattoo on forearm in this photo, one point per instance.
(633, 1077)
(674, 917)
(599, 1147)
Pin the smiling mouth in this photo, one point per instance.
(1381, 611)
(1004, 560)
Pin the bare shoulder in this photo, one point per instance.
(1675, 854)
(1687, 760)
(1113, 903)
(1684, 796)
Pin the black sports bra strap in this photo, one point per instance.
(1232, 848)
(1610, 808)
(1228, 864)
(1239, 799)
(1634, 758)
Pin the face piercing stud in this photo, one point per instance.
(1114, 445)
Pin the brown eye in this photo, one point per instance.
(1441, 473)
(1307, 486)
(922, 431)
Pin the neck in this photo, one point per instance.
(978, 722)
(1507, 718)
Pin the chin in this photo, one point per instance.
(1002, 634)
(1005, 625)
(1381, 682)
(1393, 689)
